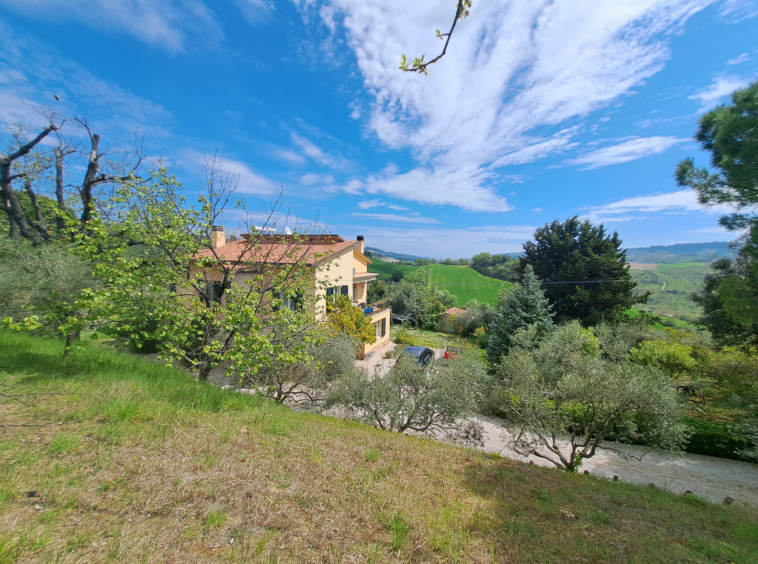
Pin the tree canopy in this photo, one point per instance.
(583, 269)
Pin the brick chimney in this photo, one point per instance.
(361, 244)
(218, 236)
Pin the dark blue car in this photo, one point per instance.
(423, 355)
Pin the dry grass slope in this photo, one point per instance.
(128, 461)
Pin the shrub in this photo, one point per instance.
(404, 337)
(435, 400)
(671, 357)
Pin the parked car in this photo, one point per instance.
(423, 355)
(452, 353)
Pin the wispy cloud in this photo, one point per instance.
(396, 207)
(738, 10)
(724, 84)
(255, 12)
(33, 73)
(396, 218)
(168, 24)
(316, 153)
(248, 181)
(627, 209)
(489, 104)
(739, 60)
(368, 204)
(458, 243)
(626, 151)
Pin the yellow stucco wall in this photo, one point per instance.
(381, 342)
(337, 271)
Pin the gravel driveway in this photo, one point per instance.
(705, 476)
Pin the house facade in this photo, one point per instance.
(340, 267)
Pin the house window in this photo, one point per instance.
(345, 290)
(292, 301)
(378, 326)
(214, 291)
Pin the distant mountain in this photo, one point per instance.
(398, 256)
(681, 252)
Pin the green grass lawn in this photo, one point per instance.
(107, 457)
(467, 284)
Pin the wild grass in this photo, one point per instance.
(113, 458)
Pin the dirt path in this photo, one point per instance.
(705, 476)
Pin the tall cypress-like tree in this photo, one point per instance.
(523, 307)
(577, 251)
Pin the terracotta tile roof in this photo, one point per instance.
(276, 253)
(454, 311)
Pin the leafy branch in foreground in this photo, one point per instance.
(461, 11)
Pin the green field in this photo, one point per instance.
(385, 269)
(466, 284)
(671, 286)
(463, 282)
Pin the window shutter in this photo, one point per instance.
(384, 327)
(345, 290)
(329, 292)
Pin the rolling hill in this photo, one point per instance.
(467, 284)
(461, 281)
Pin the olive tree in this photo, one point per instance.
(563, 400)
(435, 400)
(316, 361)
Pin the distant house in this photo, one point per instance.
(339, 267)
(450, 320)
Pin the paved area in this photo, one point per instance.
(705, 476)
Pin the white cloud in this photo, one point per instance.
(442, 243)
(712, 230)
(248, 181)
(311, 179)
(738, 10)
(313, 151)
(710, 96)
(738, 60)
(290, 156)
(513, 70)
(679, 202)
(626, 151)
(538, 210)
(255, 12)
(396, 218)
(462, 188)
(169, 24)
(368, 204)
(396, 207)
(33, 73)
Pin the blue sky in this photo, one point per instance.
(542, 109)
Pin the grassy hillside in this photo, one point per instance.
(385, 269)
(671, 286)
(462, 281)
(466, 283)
(112, 458)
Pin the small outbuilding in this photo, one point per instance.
(450, 320)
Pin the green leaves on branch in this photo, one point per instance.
(462, 11)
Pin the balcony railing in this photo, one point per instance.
(372, 311)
